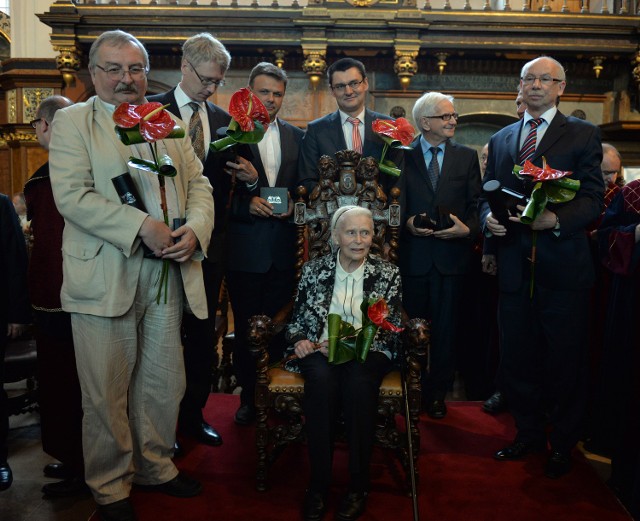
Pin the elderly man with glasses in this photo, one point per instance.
(440, 189)
(127, 343)
(205, 61)
(347, 128)
(545, 271)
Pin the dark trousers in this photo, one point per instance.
(59, 394)
(255, 294)
(4, 405)
(544, 362)
(436, 297)
(199, 340)
(351, 388)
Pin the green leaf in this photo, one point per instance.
(535, 206)
(388, 167)
(341, 350)
(364, 341)
(143, 164)
(129, 136)
(558, 194)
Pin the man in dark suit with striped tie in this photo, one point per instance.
(439, 189)
(205, 61)
(543, 311)
(347, 128)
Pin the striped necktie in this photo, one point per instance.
(356, 139)
(196, 132)
(529, 146)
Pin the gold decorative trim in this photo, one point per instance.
(18, 136)
(12, 108)
(31, 98)
(5, 26)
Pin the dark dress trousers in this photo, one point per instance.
(433, 269)
(199, 335)
(544, 345)
(59, 388)
(260, 275)
(324, 136)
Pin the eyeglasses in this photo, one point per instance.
(529, 79)
(445, 117)
(206, 82)
(608, 173)
(353, 85)
(34, 122)
(117, 73)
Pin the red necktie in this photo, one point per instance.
(529, 146)
(356, 140)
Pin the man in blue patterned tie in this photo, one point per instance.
(542, 318)
(440, 189)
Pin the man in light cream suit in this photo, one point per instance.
(128, 349)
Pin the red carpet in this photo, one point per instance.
(459, 479)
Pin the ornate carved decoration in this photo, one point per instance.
(12, 106)
(18, 136)
(442, 61)
(362, 3)
(597, 64)
(279, 55)
(315, 65)
(405, 66)
(5, 25)
(67, 62)
(31, 98)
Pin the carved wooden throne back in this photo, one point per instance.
(347, 179)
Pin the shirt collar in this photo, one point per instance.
(547, 116)
(426, 146)
(182, 99)
(342, 275)
(344, 116)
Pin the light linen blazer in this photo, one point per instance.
(100, 247)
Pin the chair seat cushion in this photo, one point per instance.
(286, 381)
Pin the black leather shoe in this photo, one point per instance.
(204, 433)
(180, 486)
(558, 464)
(314, 506)
(119, 511)
(352, 506)
(66, 488)
(6, 476)
(495, 404)
(437, 409)
(519, 449)
(57, 471)
(245, 415)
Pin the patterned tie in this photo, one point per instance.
(434, 167)
(356, 140)
(529, 146)
(195, 131)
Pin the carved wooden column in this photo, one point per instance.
(25, 82)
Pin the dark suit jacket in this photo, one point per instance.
(14, 301)
(324, 136)
(457, 193)
(256, 244)
(563, 261)
(213, 168)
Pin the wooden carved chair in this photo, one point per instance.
(347, 179)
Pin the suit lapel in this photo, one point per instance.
(257, 163)
(556, 130)
(416, 155)
(336, 135)
(104, 120)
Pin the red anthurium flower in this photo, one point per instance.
(378, 314)
(400, 129)
(542, 174)
(245, 108)
(155, 122)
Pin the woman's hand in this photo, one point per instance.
(305, 347)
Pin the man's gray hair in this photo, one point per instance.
(116, 38)
(49, 106)
(204, 47)
(426, 105)
(607, 147)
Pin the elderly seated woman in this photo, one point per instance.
(338, 283)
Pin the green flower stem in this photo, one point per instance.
(164, 274)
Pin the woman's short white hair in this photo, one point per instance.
(337, 219)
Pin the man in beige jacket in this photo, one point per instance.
(128, 348)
